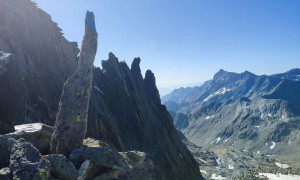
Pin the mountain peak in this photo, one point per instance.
(111, 56)
(248, 73)
(221, 74)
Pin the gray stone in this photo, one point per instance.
(90, 142)
(96, 161)
(37, 134)
(71, 122)
(5, 174)
(141, 166)
(138, 159)
(26, 162)
(61, 167)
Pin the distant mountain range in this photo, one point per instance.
(258, 114)
(164, 90)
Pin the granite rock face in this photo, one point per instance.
(125, 103)
(35, 61)
(71, 121)
(26, 162)
(61, 167)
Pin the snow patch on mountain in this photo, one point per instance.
(220, 92)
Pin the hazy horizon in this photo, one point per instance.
(188, 42)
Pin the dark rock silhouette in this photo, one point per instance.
(129, 105)
(39, 62)
(71, 122)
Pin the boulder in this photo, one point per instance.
(61, 167)
(138, 159)
(26, 162)
(142, 167)
(37, 134)
(97, 161)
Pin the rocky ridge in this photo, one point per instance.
(124, 113)
(139, 109)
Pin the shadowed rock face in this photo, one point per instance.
(125, 111)
(71, 121)
(39, 60)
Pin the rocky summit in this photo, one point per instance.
(49, 94)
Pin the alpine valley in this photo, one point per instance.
(241, 122)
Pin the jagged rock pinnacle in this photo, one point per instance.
(90, 21)
(150, 86)
(135, 66)
(71, 120)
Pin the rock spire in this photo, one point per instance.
(71, 120)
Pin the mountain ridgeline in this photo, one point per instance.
(258, 114)
(125, 109)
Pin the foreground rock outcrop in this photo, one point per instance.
(26, 162)
(37, 134)
(71, 122)
(95, 159)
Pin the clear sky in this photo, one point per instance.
(187, 41)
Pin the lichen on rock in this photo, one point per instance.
(73, 107)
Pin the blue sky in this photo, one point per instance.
(187, 41)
